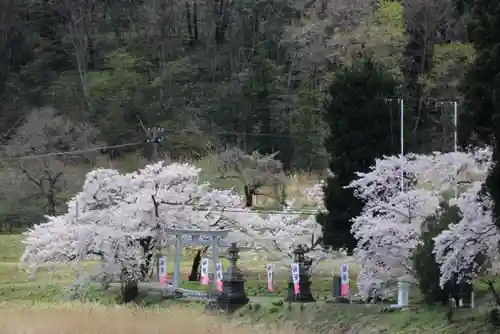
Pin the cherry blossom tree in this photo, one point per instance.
(392, 221)
(121, 219)
(471, 246)
(316, 194)
(277, 234)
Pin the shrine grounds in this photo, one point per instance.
(42, 307)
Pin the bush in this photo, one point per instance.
(279, 302)
(424, 262)
(494, 317)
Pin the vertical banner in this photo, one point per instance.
(270, 278)
(162, 270)
(344, 280)
(204, 271)
(219, 276)
(296, 278)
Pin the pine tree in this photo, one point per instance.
(364, 126)
(481, 88)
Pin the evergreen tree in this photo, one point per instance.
(481, 88)
(364, 126)
(427, 271)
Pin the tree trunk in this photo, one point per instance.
(189, 26)
(248, 196)
(146, 244)
(195, 21)
(129, 289)
(51, 201)
(194, 276)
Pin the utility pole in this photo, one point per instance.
(401, 138)
(155, 137)
(454, 104)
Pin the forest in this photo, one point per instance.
(211, 74)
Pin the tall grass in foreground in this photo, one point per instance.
(91, 318)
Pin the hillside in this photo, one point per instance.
(311, 130)
(203, 76)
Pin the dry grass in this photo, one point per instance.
(93, 318)
(295, 186)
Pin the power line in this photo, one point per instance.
(233, 210)
(73, 152)
(99, 148)
(157, 139)
(228, 210)
(252, 134)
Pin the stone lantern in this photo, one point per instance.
(305, 294)
(233, 294)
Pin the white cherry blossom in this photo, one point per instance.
(121, 218)
(457, 249)
(390, 226)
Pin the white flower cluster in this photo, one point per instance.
(114, 212)
(391, 224)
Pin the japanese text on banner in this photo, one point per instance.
(296, 277)
(162, 270)
(270, 278)
(344, 280)
(204, 272)
(219, 276)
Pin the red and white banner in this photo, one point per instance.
(270, 278)
(296, 278)
(162, 270)
(219, 276)
(204, 272)
(344, 280)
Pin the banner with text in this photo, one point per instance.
(296, 278)
(162, 270)
(204, 271)
(344, 280)
(270, 278)
(219, 276)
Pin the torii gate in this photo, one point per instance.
(180, 243)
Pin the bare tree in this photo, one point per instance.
(8, 17)
(78, 21)
(45, 132)
(319, 38)
(427, 24)
(254, 171)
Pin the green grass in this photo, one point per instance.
(34, 292)
(319, 317)
(11, 247)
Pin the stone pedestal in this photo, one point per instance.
(233, 294)
(305, 294)
(404, 286)
(336, 287)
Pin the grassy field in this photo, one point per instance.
(14, 281)
(42, 307)
(95, 318)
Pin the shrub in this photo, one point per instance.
(424, 262)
